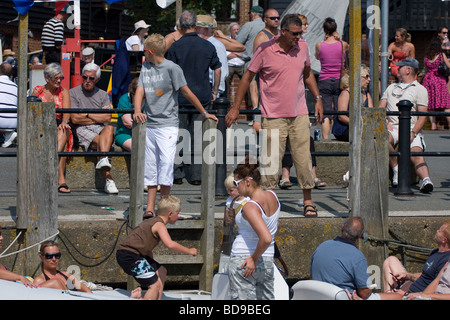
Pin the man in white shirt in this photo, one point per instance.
(408, 89)
(8, 99)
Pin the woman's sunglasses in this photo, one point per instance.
(50, 256)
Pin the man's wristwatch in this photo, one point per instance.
(415, 133)
(318, 97)
(87, 115)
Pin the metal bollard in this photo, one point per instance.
(221, 105)
(404, 133)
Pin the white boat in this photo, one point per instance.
(10, 290)
(317, 290)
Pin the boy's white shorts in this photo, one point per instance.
(160, 148)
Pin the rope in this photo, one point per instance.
(1, 254)
(26, 248)
(106, 257)
(399, 244)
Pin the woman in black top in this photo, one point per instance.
(51, 277)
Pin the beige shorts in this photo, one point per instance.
(276, 132)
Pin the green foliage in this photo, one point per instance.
(163, 20)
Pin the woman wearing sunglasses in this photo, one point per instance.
(53, 91)
(51, 277)
(251, 268)
(342, 121)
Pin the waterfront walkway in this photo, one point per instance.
(331, 201)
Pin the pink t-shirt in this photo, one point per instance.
(281, 79)
(331, 60)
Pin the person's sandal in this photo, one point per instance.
(319, 184)
(285, 183)
(310, 211)
(148, 215)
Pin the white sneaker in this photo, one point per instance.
(110, 187)
(103, 163)
(394, 178)
(426, 186)
(346, 177)
(9, 139)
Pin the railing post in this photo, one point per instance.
(221, 105)
(404, 146)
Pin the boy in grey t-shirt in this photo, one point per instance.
(159, 82)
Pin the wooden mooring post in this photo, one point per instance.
(37, 180)
(368, 154)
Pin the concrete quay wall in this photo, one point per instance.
(88, 248)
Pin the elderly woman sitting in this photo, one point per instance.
(52, 91)
(341, 122)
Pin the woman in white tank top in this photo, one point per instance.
(251, 261)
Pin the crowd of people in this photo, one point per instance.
(192, 67)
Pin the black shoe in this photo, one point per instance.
(178, 181)
(196, 182)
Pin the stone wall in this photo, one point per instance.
(89, 247)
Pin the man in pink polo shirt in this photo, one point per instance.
(284, 68)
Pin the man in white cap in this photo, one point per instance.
(88, 54)
(136, 41)
(408, 89)
(53, 36)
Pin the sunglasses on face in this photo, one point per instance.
(367, 76)
(273, 18)
(149, 50)
(299, 33)
(88, 77)
(236, 182)
(50, 256)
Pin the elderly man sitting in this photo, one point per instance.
(90, 127)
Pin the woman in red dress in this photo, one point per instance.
(401, 49)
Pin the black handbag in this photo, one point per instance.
(443, 70)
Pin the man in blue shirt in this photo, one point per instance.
(340, 262)
(195, 56)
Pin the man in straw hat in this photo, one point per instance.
(205, 29)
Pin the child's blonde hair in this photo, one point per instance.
(168, 204)
(229, 182)
(156, 42)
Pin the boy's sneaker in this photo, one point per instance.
(426, 186)
(103, 163)
(9, 139)
(110, 187)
